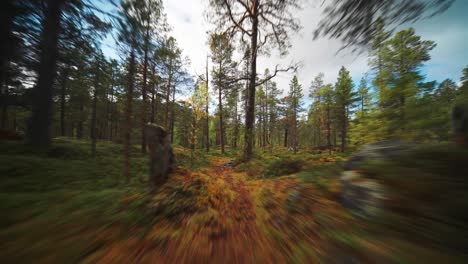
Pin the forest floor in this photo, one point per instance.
(65, 207)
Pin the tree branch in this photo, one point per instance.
(292, 67)
(234, 21)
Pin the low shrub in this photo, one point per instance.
(284, 166)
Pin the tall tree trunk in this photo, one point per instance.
(328, 130)
(286, 137)
(173, 115)
(221, 127)
(93, 118)
(168, 93)
(143, 91)
(236, 126)
(7, 14)
(111, 108)
(39, 126)
(128, 115)
(250, 114)
(267, 116)
(319, 125)
(4, 99)
(79, 129)
(207, 128)
(152, 105)
(343, 132)
(63, 90)
(264, 124)
(295, 126)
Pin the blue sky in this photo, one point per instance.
(449, 30)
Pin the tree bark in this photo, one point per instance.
(143, 91)
(39, 126)
(173, 115)
(7, 13)
(79, 129)
(128, 115)
(221, 127)
(4, 99)
(152, 105)
(343, 131)
(250, 114)
(295, 126)
(207, 108)
(286, 137)
(63, 89)
(93, 118)
(236, 126)
(328, 130)
(168, 92)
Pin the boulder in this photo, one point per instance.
(161, 155)
(382, 150)
(362, 194)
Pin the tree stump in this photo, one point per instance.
(161, 156)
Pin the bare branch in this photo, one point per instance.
(237, 23)
(292, 67)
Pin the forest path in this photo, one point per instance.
(239, 239)
(227, 231)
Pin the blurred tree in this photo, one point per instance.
(39, 126)
(404, 55)
(130, 37)
(353, 21)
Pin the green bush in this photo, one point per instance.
(284, 166)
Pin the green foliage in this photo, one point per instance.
(284, 166)
(403, 56)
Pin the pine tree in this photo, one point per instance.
(315, 114)
(328, 100)
(223, 71)
(295, 106)
(402, 58)
(345, 98)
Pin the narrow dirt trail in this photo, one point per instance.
(241, 240)
(226, 231)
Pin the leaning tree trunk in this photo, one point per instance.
(250, 114)
(39, 126)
